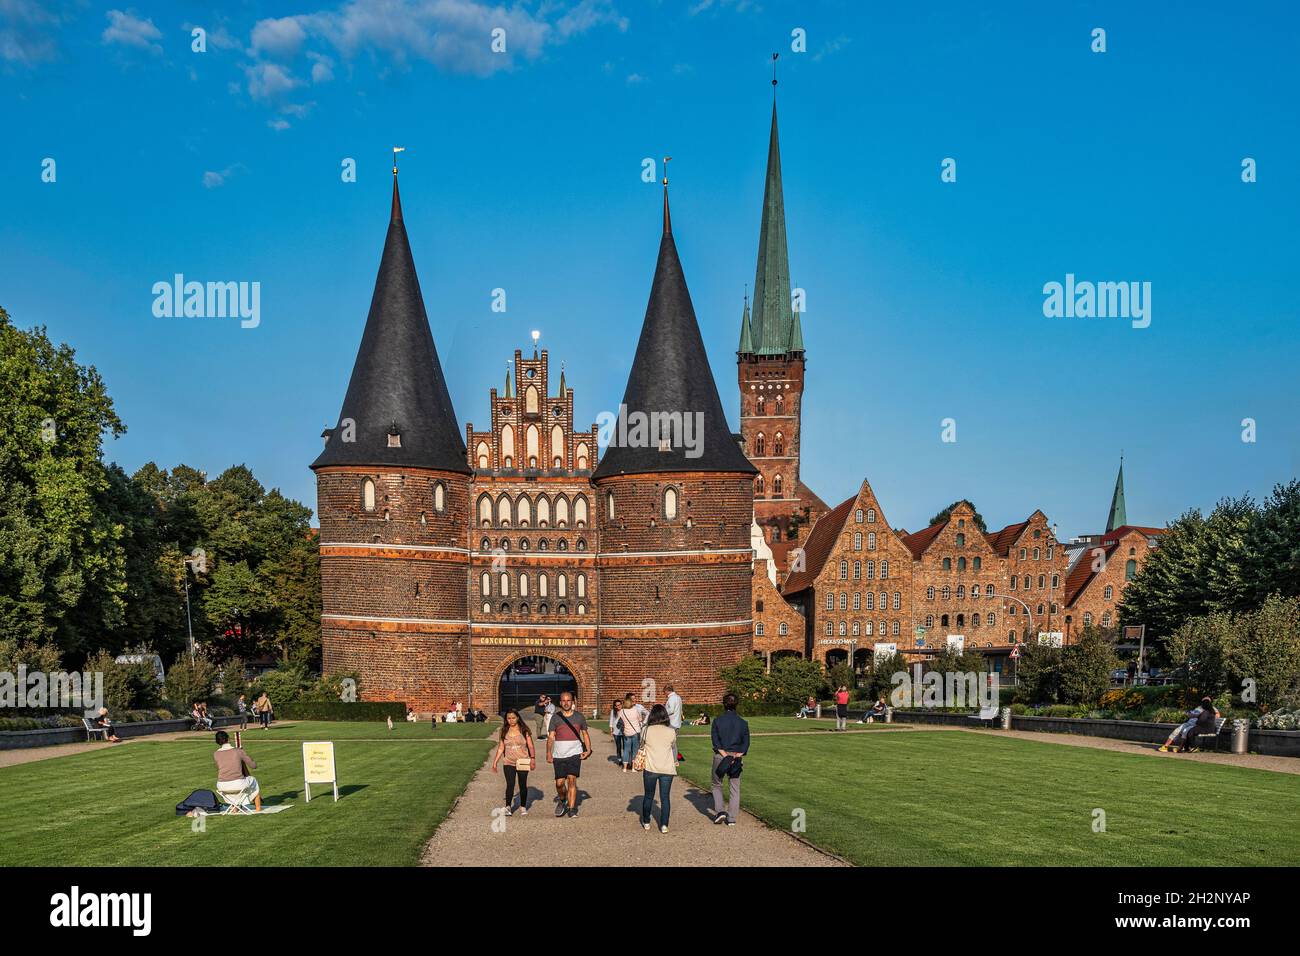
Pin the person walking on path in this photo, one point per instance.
(616, 729)
(659, 744)
(674, 707)
(730, 736)
(515, 747)
(544, 709)
(842, 708)
(241, 706)
(634, 716)
(263, 707)
(568, 744)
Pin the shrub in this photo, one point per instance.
(1267, 652)
(1039, 673)
(284, 685)
(792, 681)
(747, 679)
(340, 710)
(232, 679)
(880, 682)
(191, 680)
(126, 686)
(1085, 667)
(1204, 646)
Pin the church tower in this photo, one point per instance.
(392, 493)
(770, 372)
(674, 499)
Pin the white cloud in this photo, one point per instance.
(26, 32)
(269, 81)
(127, 29)
(281, 37)
(278, 124)
(634, 78)
(322, 68)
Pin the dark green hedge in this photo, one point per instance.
(340, 710)
(691, 711)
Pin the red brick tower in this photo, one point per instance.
(770, 372)
(674, 504)
(392, 492)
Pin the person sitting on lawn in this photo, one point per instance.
(232, 766)
(1200, 718)
(700, 721)
(410, 715)
(809, 709)
(101, 720)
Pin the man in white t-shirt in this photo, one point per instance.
(674, 707)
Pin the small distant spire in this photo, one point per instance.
(1118, 516)
(668, 223)
(397, 199)
(562, 390)
(508, 395)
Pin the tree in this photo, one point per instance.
(747, 679)
(1267, 653)
(793, 680)
(880, 682)
(62, 565)
(977, 517)
(1273, 546)
(1086, 665)
(1039, 674)
(1204, 647)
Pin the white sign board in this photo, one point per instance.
(884, 650)
(318, 765)
(957, 642)
(1054, 638)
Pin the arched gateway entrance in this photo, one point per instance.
(526, 679)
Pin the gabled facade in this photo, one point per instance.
(958, 580)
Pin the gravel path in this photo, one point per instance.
(607, 831)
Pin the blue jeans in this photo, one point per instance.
(665, 782)
(618, 747)
(631, 744)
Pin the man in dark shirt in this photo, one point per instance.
(730, 736)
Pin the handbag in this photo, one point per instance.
(524, 763)
(638, 762)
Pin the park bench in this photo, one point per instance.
(91, 730)
(1195, 739)
(988, 715)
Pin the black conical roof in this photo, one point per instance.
(671, 374)
(397, 383)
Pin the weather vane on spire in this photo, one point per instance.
(774, 59)
(396, 150)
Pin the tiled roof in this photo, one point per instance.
(818, 547)
(919, 541)
(1001, 541)
(1112, 536)
(1081, 572)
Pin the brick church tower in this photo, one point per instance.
(770, 372)
(392, 491)
(674, 500)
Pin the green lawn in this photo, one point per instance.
(116, 805)
(952, 798)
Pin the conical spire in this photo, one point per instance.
(507, 394)
(746, 338)
(773, 315)
(397, 410)
(671, 382)
(563, 392)
(1118, 513)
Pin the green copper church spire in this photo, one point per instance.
(772, 325)
(746, 339)
(1118, 514)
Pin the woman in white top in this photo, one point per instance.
(660, 745)
(633, 716)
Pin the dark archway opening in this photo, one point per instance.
(528, 678)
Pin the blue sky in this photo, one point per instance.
(522, 171)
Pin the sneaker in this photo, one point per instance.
(663, 829)
(561, 808)
(1164, 748)
(720, 818)
(646, 827)
(731, 823)
(507, 812)
(573, 814)
(523, 811)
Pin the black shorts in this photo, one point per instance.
(841, 710)
(568, 766)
